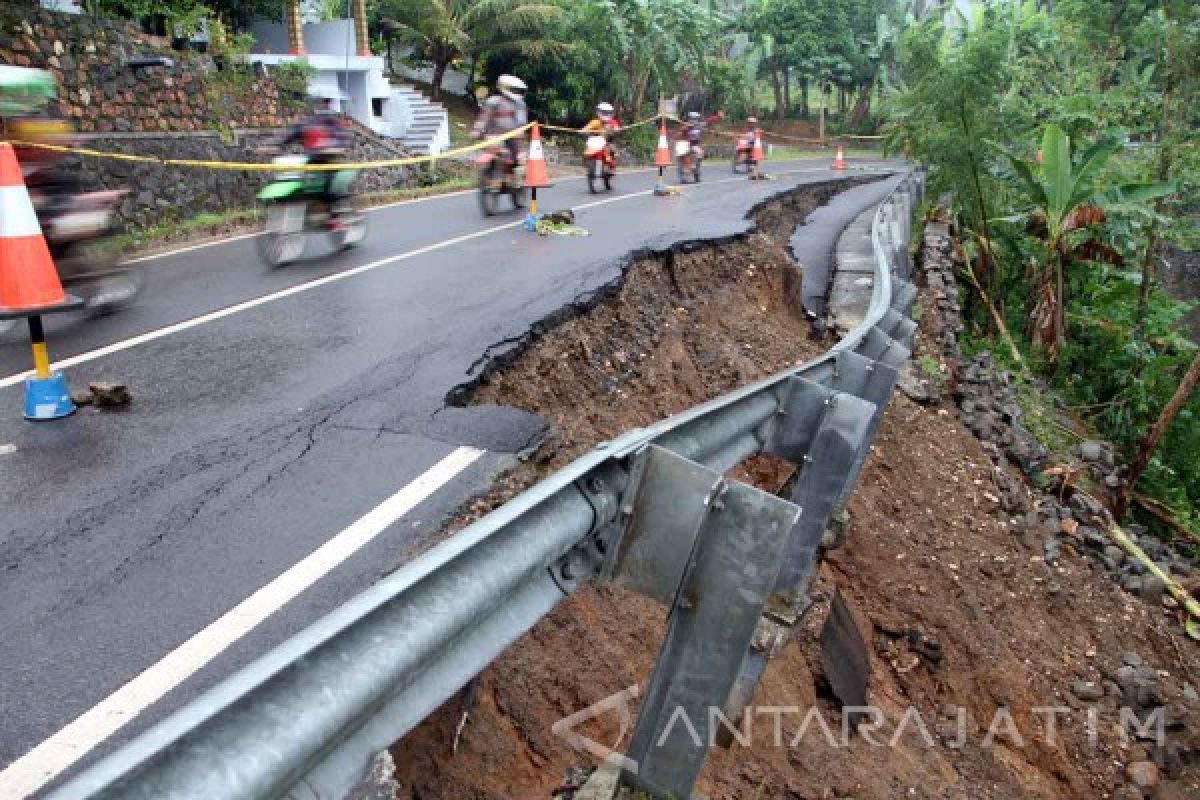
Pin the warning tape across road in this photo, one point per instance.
(259, 166)
(272, 167)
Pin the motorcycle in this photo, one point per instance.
(500, 175)
(599, 162)
(688, 158)
(78, 229)
(743, 155)
(298, 206)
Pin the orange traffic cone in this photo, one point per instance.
(29, 287)
(537, 176)
(757, 156)
(839, 161)
(662, 156)
(28, 280)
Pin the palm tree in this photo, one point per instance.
(1067, 205)
(443, 31)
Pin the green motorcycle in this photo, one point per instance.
(297, 206)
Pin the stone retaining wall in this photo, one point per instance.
(190, 110)
(99, 92)
(159, 194)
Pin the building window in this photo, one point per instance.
(377, 106)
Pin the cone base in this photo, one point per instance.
(48, 398)
(70, 304)
(531, 222)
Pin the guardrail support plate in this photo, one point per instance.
(828, 473)
(665, 517)
(729, 578)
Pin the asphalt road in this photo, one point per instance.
(273, 410)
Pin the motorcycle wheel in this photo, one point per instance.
(118, 291)
(696, 172)
(682, 172)
(279, 249)
(90, 270)
(608, 179)
(285, 245)
(488, 197)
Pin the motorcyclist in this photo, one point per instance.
(27, 114)
(503, 113)
(746, 142)
(605, 123)
(693, 131)
(325, 138)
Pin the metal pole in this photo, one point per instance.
(41, 356)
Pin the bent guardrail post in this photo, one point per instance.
(826, 459)
(726, 580)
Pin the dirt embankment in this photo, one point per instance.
(963, 617)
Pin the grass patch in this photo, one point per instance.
(170, 231)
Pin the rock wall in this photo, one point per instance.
(161, 194)
(191, 110)
(99, 92)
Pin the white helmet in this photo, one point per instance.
(605, 110)
(511, 86)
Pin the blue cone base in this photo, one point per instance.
(531, 222)
(660, 189)
(48, 398)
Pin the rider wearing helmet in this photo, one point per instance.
(325, 138)
(693, 130)
(504, 112)
(605, 120)
(746, 142)
(605, 123)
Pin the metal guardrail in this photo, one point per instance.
(651, 510)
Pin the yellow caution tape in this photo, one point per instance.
(383, 164)
(623, 128)
(271, 167)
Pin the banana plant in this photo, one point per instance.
(1067, 206)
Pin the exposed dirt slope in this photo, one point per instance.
(959, 611)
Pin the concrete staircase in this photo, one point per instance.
(427, 128)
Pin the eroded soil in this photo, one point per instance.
(959, 611)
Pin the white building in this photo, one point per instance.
(356, 82)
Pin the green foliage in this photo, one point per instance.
(994, 106)
(444, 32)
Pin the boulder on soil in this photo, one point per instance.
(1143, 774)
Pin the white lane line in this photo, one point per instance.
(43, 763)
(371, 210)
(178, 327)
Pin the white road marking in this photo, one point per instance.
(7, 449)
(178, 327)
(54, 755)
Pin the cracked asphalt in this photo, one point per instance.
(256, 436)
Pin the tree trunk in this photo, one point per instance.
(863, 106)
(1182, 394)
(439, 73)
(804, 98)
(787, 89)
(778, 89)
(1164, 173)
